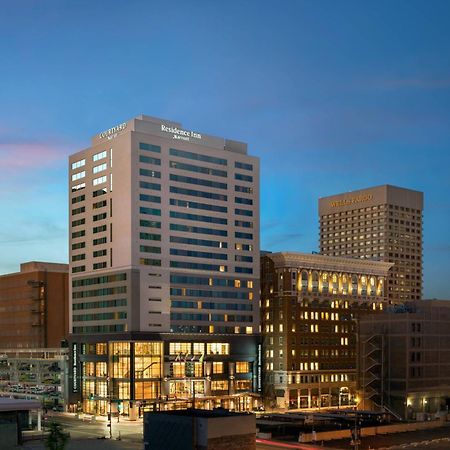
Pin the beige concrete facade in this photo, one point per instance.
(382, 223)
(164, 232)
(310, 305)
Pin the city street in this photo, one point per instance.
(87, 434)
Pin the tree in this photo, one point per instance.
(57, 439)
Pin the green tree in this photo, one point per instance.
(57, 439)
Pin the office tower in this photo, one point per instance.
(382, 223)
(34, 306)
(310, 308)
(164, 238)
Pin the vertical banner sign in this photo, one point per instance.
(75, 374)
(259, 369)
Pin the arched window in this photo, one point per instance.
(315, 281)
(354, 285)
(372, 286)
(304, 281)
(325, 283)
(344, 284)
(335, 283)
(363, 285)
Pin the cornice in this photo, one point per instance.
(330, 263)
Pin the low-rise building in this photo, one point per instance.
(199, 429)
(310, 306)
(404, 359)
(142, 371)
(34, 306)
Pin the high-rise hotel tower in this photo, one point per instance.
(164, 246)
(383, 223)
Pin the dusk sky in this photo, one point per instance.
(332, 95)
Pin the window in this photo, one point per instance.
(99, 192)
(195, 205)
(150, 173)
(243, 212)
(149, 160)
(100, 265)
(198, 169)
(147, 185)
(99, 241)
(149, 198)
(150, 236)
(149, 147)
(192, 229)
(78, 211)
(197, 157)
(194, 193)
(78, 176)
(78, 199)
(149, 224)
(149, 249)
(198, 218)
(78, 187)
(243, 223)
(99, 217)
(238, 234)
(99, 229)
(99, 168)
(213, 348)
(78, 164)
(241, 165)
(244, 201)
(150, 211)
(99, 180)
(198, 181)
(241, 177)
(246, 190)
(150, 262)
(78, 222)
(99, 204)
(242, 367)
(98, 156)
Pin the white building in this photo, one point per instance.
(164, 232)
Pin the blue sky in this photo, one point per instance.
(331, 95)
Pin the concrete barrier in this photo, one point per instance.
(372, 431)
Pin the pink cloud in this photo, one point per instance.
(27, 155)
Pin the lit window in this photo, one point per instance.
(217, 367)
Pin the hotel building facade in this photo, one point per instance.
(383, 223)
(311, 305)
(164, 262)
